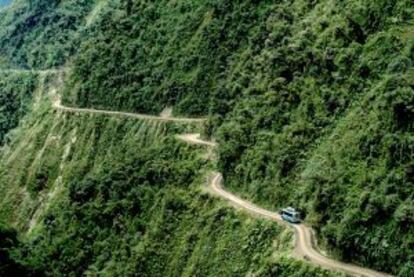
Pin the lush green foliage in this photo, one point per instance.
(312, 103)
(42, 33)
(15, 99)
(8, 266)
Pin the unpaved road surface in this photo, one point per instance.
(46, 71)
(304, 239)
(305, 242)
(58, 105)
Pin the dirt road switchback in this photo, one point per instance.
(305, 242)
(305, 247)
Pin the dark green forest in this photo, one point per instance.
(311, 102)
(8, 265)
(40, 34)
(15, 99)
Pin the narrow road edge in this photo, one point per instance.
(305, 248)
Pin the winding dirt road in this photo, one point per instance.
(46, 71)
(58, 105)
(305, 242)
(305, 246)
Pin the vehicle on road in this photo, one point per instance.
(289, 214)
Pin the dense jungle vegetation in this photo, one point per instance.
(41, 34)
(15, 99)
(8, 266)
(312, 103)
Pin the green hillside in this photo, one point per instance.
(93, 194)
(41, 33)
(311, 102)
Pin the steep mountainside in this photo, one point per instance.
(311, 103)
(41, 34)
(97, 194)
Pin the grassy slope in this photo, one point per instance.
(312, 103)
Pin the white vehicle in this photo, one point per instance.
(289, 214)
